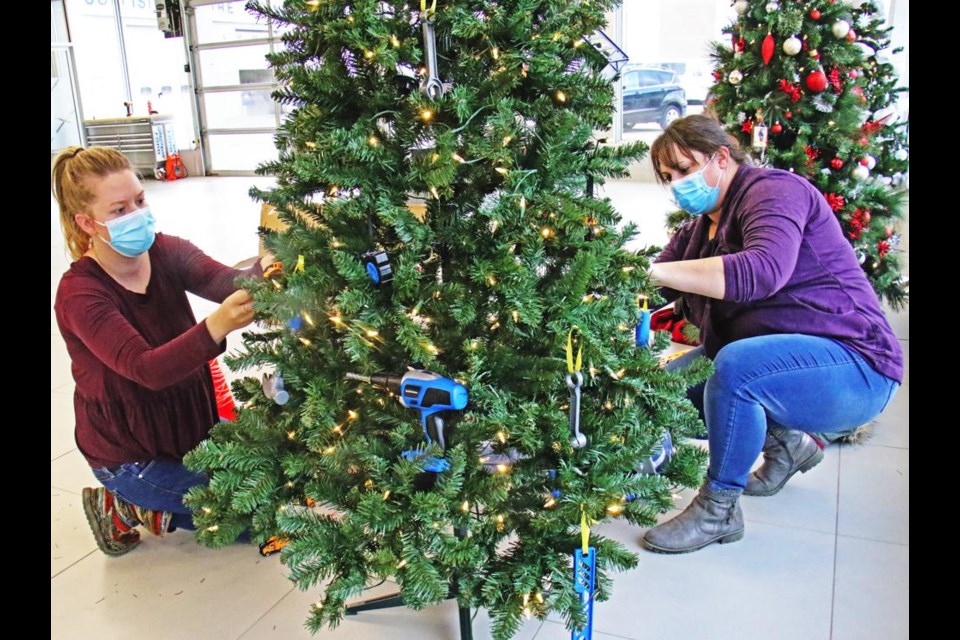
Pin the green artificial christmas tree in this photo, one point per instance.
(508, 287)
(804, 83)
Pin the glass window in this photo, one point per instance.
(228, 22)
(99, 58)
(242, 153)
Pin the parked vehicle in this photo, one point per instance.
(651, 94)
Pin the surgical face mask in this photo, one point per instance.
(692, 193)
(132, 234)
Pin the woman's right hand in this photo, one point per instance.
(234, 313)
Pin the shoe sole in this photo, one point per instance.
(724, 539)
(92, 511)
(808, 464)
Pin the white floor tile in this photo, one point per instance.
(70, 537)
(872, 590)
(286, 620)
(61, 424)
(807, 501)
(70, 472)
(168, 588)
(875, 493)
(774, 578)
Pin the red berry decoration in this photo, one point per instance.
(776, 128)
(815, 14)
(816, 81)
(836, 163)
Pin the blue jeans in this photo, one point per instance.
(802, 382)
(158, 485)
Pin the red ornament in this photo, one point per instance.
(888, 230)
(815, 14)
(747, 126)
(864, 162)
(788, 115)
(717, 75)
(853, 74)
(864, 141)
(816, 81)
(767, 49)
(882, 248)
(776, 128)
(836, 163)
(851, 36)
(740, 44)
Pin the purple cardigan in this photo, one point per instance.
(140, 361)
(787, 269)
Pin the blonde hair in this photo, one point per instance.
(69, 182)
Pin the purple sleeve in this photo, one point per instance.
(673, 252)
(204, 276)
(771, 219)
(95, 319)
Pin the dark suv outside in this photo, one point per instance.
(651, 94)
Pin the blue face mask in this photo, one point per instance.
(692, 193)
(132, 234)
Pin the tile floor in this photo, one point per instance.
(826, 559)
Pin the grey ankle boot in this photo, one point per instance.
(785, 452)
(713, 516)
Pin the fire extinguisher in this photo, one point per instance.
(175, 168)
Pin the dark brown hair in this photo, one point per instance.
(692, 133)
(69, 183)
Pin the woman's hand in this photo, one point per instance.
(234, 313)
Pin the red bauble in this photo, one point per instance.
(864, 162)
(853, 74)
(851, 36)
(767, 49)
(816, 81)
(788, 115)
(836, 163)
(815, 14)
(741, 44)
(776, 128)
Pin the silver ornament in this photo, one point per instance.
(792, 46)
(840, 28)
(871, 162)
(900, 154)
(860, 173)
(741, 6)
(772, 6)
(735, 77)
(861, 256)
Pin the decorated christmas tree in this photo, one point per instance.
(806, 85)
(452, 390)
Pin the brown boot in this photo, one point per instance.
(114, 536)
(785, 452)
(713, 516)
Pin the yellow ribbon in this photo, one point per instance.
(423, 7)
(571, 368)
(584, 531)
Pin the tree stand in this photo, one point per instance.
(396, 600)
